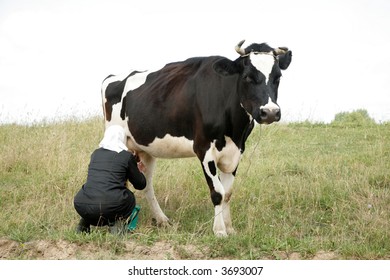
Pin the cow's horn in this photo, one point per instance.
(280, 50)
(238, 48)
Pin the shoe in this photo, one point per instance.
(83, 226)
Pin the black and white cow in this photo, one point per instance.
(204, 107)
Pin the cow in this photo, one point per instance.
(202, 107)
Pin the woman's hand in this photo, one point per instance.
(141, 166)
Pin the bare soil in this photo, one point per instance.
(161, 250)
(65, 250)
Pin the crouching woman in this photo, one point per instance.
(104, 199)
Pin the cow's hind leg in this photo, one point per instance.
(150, 163)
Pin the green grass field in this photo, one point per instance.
(300, 189)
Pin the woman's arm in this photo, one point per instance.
(135, 176)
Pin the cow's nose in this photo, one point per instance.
(269, 116)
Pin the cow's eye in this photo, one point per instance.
(253, 80)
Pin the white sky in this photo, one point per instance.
(55, 54)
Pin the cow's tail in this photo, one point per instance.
(105, 83)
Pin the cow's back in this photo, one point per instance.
(167, 102)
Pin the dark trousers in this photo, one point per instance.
(105, 214)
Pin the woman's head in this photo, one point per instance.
(114, 139)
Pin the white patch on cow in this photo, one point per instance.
(264, 62)
(116, 111)
(219, 227)
(132, 83)
(270, 105)
(169, 147)
(227, 180)
(135, 81)
(229, 157)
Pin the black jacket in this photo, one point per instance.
(108, 172)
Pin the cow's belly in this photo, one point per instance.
(167, 147)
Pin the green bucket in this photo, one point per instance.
(133, 219)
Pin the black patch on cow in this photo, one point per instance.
(285, 60)
(225, 67)
(216, 198)
(189, 99)
(108, 110)
(212, 168)
(258, 48)
(123, 109)
(246, 134)
(114, 91)
(165, 103)
(113, 95)
(220, 144)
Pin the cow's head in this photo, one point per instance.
(259, 67)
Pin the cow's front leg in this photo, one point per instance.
(218, 197)
(227, 180)
(150, 163)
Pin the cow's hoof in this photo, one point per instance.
(220, 234)
(161, 223)
(231, 231)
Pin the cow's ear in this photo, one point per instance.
(225, 67)
(285, 60)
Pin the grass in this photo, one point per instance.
(300, 188)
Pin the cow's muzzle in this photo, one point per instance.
(269, 115)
